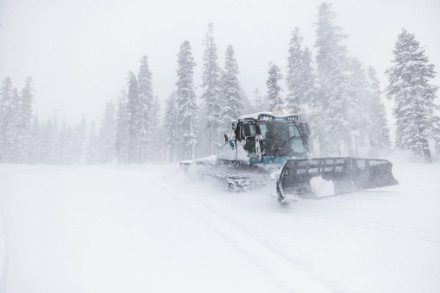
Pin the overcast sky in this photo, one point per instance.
(79, 52)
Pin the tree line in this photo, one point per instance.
(27, 140)
(334, 92)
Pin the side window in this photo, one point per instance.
(263, 129)
(293, 131)
(253, 130)
(248, 130)
(297, 143)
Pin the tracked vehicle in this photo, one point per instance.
(270, 149)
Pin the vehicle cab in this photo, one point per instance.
(267, 139)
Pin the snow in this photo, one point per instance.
(152, 229)
(321, 187)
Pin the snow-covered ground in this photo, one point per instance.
(151, 229)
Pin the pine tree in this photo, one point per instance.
(107, 135)
(156, 151)
(186, 102)
(61, 144)
(92, 146)
(79, 138)
(122, 131)
(6, 119)
(276, 102)
(231, 91)
(211, 92)
(379, 132)
(246, 103)
(258, 102)
(294, 99)
(24, 125)
(332, 97)
(135, 119)
(48, 142)
(146, 111)
(356, 106)
(170, 127)
(35, 145)
(409, 86)
(300, 79)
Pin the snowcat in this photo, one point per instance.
(272, 148)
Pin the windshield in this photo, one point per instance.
(281, 138)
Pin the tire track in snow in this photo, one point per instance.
(291, 275)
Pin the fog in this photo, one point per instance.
(79, 52)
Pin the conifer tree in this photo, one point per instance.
(276, 102)
(122, 130)
(332, 97)
(6, 118)
(231, 91)
(211, 92)
(300, 78)
(157, 152)
(13, 132)
(35, 145)
(135, 119)
(170, 127)
(25, 118)
(145, 111)
(48, 142)
(92, 146)
(107, 135)
(295, 97)
(258, 102)
(379, 132)
(356, 106)
(186, 102)
(409, 85)
(79, 138)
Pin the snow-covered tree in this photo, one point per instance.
(6, 119)
(259, 103)
(379, 131)
(212, 106)
(48, 142)
(333, 128)
(276, 103)
(186, 102)
(295, 97)
(122, 130)
(231, 91)
(409, 85)
(156, 152)
(107, 135)
(35, 144)
(170, 127)
(145, 109)
(92, 146)
(13, 132)
(300, 78)
(135, 119)
(356, 106)
(79, 138)
(24, 117)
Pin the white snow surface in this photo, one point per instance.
(153, 229)
(321, 187)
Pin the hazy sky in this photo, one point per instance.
(80, 51)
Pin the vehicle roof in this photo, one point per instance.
(267, 116)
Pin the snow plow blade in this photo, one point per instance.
(345, 174)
